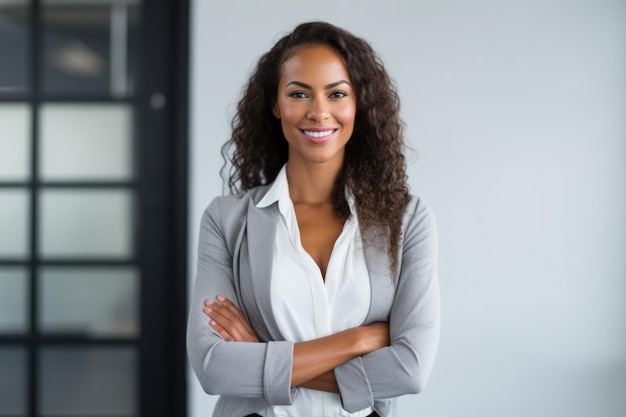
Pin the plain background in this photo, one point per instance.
(516, 112)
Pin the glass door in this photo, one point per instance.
(78, 229)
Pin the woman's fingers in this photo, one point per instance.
(225, 316)
(230, 319)
(225, 302)
(222, 318)
(221, 331)
(226, 309)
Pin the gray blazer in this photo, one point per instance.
(234, 260)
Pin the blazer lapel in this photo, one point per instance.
(382, 286)
(257, 264)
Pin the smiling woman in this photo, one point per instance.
(316, 290)
(316, 106)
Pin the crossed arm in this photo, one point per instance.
(314, 360)
(264, 372)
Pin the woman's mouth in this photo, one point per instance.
(318, 136)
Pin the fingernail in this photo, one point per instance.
(219, 297)
(208, 302)
(212, 323)
(207, 310)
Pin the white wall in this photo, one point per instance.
(517, 110)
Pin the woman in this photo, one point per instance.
(316, 291)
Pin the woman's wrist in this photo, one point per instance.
(372, 337)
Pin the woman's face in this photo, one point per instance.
(316, 105)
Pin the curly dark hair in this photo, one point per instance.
(374, 167)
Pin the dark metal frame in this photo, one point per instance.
(164, 162)
(161, 212)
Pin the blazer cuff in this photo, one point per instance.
(277, 373)
(354, 388)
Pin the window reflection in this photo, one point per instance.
(14, 46)
(87, 46)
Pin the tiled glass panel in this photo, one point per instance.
(86, 142)
(14, 45)
(88, 381)
(13, 300)
(13, 381)
(88, 301)
(88, 47)
(15, 126)
(86, 223)
(14, 212)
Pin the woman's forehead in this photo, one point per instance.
(319, 63)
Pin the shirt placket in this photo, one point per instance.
(319, 297)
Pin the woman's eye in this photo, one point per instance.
(298, 94)
(338, 94)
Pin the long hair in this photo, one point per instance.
(374, 166)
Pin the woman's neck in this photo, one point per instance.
(312, 183)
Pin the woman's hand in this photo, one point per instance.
(371, 337)
(228, 321)
(318, 356)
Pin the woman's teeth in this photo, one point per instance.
(318, 134)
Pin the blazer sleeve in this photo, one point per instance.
(234, 369)
(414, 323)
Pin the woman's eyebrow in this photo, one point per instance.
(308, 87)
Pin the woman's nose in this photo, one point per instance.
(318, 111)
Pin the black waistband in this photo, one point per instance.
(374, 414)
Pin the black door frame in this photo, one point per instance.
(163, 162)
(161, 108)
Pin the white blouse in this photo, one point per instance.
(308, 307)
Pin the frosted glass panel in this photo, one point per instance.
(86, 142)
(14, 142)
(13, 374)
(88, 382)
(13, 300)
(84, 301)
(89, 47)
(14, 212)
(14, 45)
(86, 223)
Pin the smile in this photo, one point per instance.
(319, 134)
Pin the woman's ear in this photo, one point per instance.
(276, 110)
